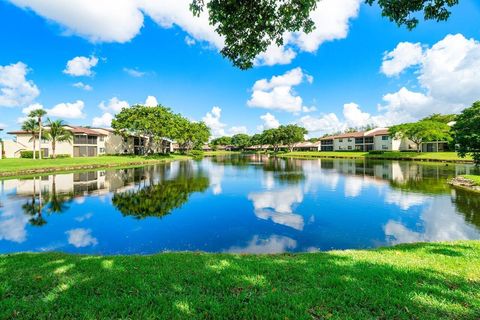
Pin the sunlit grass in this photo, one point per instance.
(474, 178)
(21, 166)
(418, 281)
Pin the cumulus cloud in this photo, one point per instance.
(405, 55)
(68, 110)
(236, 130)
(151, 101)
(104, 120)
(81, 238)
(81, 66)
(15, 89)
(30, 108)
(83, 86)
(114, 105)
(134, 72)
(269, 122)
(121, 20)
(212, 120)
(447, 74)
(331, 17)
(277, 93)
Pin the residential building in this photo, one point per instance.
(86, 142)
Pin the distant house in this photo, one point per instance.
(87, 142)
(307, 146)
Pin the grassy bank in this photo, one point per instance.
(422, 156)
(474, 178)
(18, 167)
(418, 281)
(220, 153)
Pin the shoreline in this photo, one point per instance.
(83, 167)
(371, 157)
(465, 184)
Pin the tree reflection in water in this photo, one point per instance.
(160, 198)
(468, 204)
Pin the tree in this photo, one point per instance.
(467, 132)
(256, 139)
(249, 27)
(272, 137)
(422, 131)
(191, 135)
(57, 133)
(445, 118)
(291, 134)
(31, 126)
(221, 141)
(241, 140)
(154, 123)
(39, 114)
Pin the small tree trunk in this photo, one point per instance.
(34, 147)
(54, 146)
(40, 138)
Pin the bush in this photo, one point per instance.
(376, 152)
(28, 154)
(196, 153)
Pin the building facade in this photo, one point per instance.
(86, 142)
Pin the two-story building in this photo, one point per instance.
(86, 142)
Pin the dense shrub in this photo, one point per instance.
(28, 154)
(62, 156)
(376, 152)
(196, 153)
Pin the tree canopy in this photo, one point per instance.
(158, 123)
(467, 132)
(422, 131)
(250, 26)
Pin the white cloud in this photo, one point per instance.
(104, 120)
(151, 101)
(114, 105)
(81, 238)
(212, 120)
(189, 41)
(134, 72)
(15, 89)
(269, 122)
(81, 66)
(277, 93)
(30, 108)
(236, 130)
(331, 19)
(405, 55)
(83, 86)
(13, 225)
(405, 200)
(67, 110)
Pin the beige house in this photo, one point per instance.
(87, 142)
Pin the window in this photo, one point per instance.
(340, 140)
(349, 147)
(349, 140)
(385, 138)
(369, 140)
(125, 140)
(102, 138)
(384, 147)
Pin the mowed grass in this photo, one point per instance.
(417, 281)
(18, 166)
(220, 153)
(474, 178)
(421, 156)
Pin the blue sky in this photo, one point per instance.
(340, 77)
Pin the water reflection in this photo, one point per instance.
(250, 203)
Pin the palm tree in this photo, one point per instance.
(58, 133)
(31, 127)
(39, 114)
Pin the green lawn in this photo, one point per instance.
(419, 281)
(431, 156)
(474, 178)
(220, 153)
(25, 166)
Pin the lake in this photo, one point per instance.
(241, 204)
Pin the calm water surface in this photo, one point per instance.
(237, 204)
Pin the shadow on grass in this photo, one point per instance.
(425, 281)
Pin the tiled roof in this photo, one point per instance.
(73, 129)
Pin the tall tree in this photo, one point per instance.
(292, 134)
(467, 132)
(38, 114)
(250, 26)
(422, 131)
(191, 135)
(57, 133)
(31, 126)
(241, 140)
